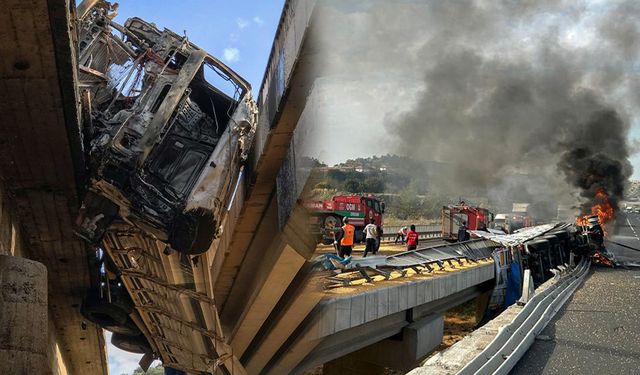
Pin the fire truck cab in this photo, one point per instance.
(453, 216)
(327, 215)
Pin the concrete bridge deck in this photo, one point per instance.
(351, 318)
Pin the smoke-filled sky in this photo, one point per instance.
(497, 88)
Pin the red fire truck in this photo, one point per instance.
(453, 216)
(327, 215)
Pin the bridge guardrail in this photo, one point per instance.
(504, 351)
(425, 231)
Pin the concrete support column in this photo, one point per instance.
(401, 352)
(482, 302)
(23, 316)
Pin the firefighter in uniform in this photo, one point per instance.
(346, 238)
(412, 238)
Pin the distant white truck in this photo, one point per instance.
(500, 220)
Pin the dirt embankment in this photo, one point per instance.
(458, 322)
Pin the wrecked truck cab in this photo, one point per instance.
(167, 128)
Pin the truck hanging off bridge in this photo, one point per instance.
(167, 130)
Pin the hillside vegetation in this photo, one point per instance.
(401, 182)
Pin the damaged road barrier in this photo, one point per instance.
(512, 342)
(528, 289)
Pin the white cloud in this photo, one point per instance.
(259, 21)
(242, 23)
(231, 55)
(121, 362)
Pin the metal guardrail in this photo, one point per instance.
(421, 235)
(512, 342)
(419, 228)
(473, 250)
(420, 260)
(425, 231)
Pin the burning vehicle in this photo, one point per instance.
(167, 128)
(593, 231)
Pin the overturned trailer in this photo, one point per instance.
(166, 129)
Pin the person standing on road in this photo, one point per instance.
(462, 232)
(401, 235)
(371, 235)
(412, 238)
(345, 238)
(380, 232)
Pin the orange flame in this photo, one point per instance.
(601, 208)
(582, 221)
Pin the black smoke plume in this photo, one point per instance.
(596, 159)
(523, 100)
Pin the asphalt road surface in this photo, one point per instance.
(626, 232)
(598, 330)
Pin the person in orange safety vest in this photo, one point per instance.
(346, 238)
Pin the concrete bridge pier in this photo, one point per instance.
(400, 352)
(23, 316)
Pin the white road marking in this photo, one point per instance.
(633, 229)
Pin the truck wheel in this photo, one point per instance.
(326, 241)
(128, 328)
(193, 232)
(100, 311)
(133, 344)
(332, 221)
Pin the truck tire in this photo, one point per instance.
(128, 328)
(331, 221)
(99, 311)
(326, 240)
(193, 232)
(133, 344)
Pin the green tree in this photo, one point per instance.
(408, 203)
(158, 370)
(323, 185)
(374, 185)
(353, 186)
(337, 175)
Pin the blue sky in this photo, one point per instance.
(239, 32)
